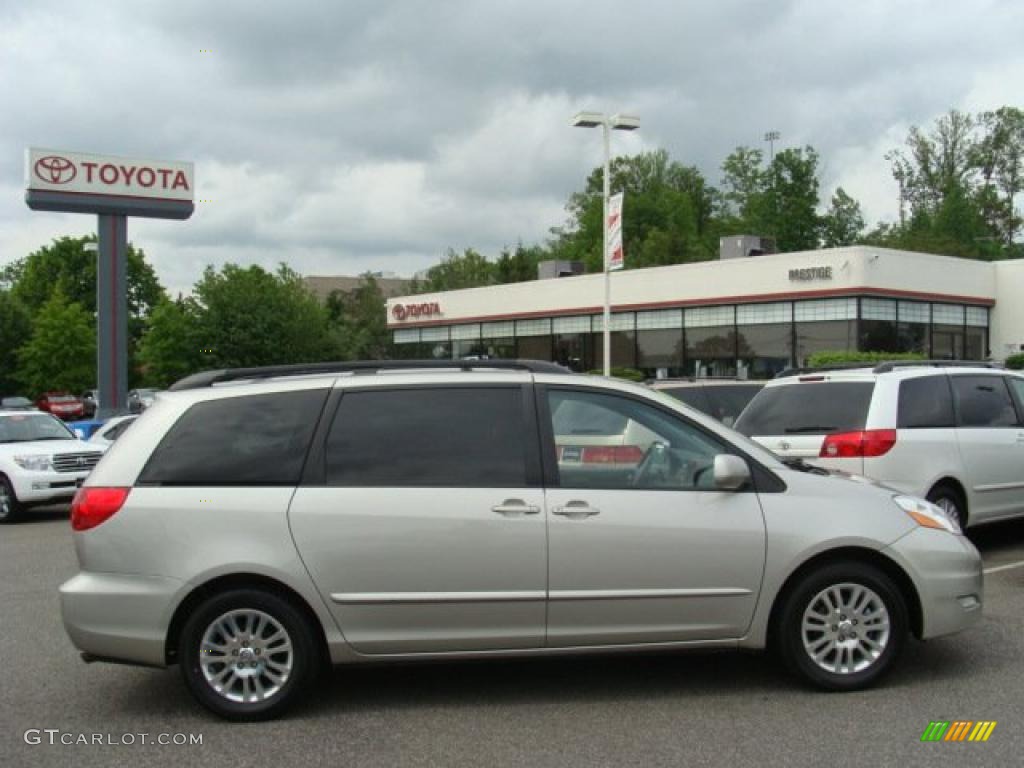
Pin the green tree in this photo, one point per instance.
(15, 329)
(248, 316)
(61, 353)
(171, 347)
(469, 269)
(358, 320)
(66, 266)
(520, 265)
(667, 214)
(843, 222)
(792, 200)
(999, 156)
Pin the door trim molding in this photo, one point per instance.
(408, 598)
(634, 594)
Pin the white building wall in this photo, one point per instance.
(1008, 317)
(751, 279)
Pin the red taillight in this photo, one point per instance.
(865, 443)
(612, 454)
(91, 506)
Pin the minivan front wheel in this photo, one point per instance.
(948, 500)
(843, 626)
(247, 654)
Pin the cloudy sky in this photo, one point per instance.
(373, 135)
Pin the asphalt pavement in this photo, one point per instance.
(641, 710)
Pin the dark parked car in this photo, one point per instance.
(724, 399)
(61, 404)
(140, 399)
(90, 399)
(16, 404)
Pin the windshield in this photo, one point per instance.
(811, 408)
(61, 398)
(22, 428)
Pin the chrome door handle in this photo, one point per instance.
(515, 508)
(576, 510)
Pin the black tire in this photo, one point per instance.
(848, 632)
(305, 655)
(951, 500)
(10, 507)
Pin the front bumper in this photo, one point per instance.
(41, 487)
(119, 617)
(947, 572)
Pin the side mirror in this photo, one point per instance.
(731, 472)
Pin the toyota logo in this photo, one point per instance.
(55, 169)
(400, 312)
(784, 446)
(81, 461)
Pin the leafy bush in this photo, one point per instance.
(629, 374)
(841, 357)
(1015, 362)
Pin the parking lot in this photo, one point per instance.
(671, 710)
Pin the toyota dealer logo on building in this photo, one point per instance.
(55, 169)
(404, 311)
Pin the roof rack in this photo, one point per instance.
(889, 366)
(818, 369)
(209, 378)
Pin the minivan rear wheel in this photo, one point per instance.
(948, 499)
(247, 654)
(843, 626)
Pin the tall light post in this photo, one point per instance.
(771, 137)
(615, 122)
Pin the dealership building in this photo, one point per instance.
(750, 316)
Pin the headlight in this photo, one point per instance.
(927, 514)
(35, 463)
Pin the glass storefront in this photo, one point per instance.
(754, 340)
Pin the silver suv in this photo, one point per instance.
(950, 432)
(255, 524)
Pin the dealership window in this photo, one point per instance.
(659, 343)
(436, 342)
(572, 344)
(408, 345)
(533, 338)
(622, 328)
(466, 341)
(765, 339)
(948, 331)
(878, 328)
(914, 327)
(710, 341)
(976, 334)
(498, 339)
(824, 325)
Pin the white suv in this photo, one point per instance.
(949, 432)
(41, 461)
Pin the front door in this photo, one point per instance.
(427, 530)
(642, 548)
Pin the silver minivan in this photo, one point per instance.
(256, 524)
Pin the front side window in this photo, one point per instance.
(983, 401)
(468, 437)
(925, 403)
(258, 440)
(612, 442)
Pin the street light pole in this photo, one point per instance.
(608, 124)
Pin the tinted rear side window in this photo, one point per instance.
(925, 403)
(811, 408)
(465, 437)
(729, 400)
(692, 396)
(254, 440)
(983, 401)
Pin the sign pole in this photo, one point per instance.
(607, 337)
(111, 315)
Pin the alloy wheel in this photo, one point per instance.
(246, 656)
(845, 628)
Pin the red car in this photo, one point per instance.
(61, 404)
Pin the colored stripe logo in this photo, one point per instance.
(958, 730)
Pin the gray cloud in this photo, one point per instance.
(374, 135)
